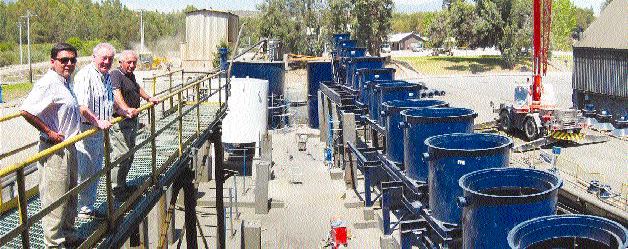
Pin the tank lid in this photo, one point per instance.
(438, 115)
(399, 105)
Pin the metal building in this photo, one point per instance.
(600, 71)
(204, 30)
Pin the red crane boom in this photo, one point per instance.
(542, 19)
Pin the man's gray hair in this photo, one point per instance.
(126, 54)
(103, 45)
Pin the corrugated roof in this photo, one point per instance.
(400, 36)
(610, 30)
(208, 11)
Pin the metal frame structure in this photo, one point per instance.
(175, 171)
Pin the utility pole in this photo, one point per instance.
(28, 40)
(19, 24)
(142, 30)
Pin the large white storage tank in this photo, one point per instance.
(245, 123)
(248, 111)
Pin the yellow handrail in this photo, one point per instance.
(10, 116)
(26, 222)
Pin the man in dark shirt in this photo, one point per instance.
(127, 97)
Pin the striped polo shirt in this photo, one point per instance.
(93, 90)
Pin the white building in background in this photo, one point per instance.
(204, 30)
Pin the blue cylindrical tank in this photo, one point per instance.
(365, 75)
(496, 200)
(317, 72)
(422, 124)
(274, 72)
(451, 156)
(353, 52)
(568, 231)
(390, 90)
(357, 63)
(394, 132)
(340, 37)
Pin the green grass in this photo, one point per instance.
(446, 65)
(14, 91)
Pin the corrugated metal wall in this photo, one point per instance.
(204, 30)
(602, 71)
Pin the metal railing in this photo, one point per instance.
(18, 169)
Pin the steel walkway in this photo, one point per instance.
(169, 159)
(167, 146)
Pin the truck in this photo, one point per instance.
(534, 111)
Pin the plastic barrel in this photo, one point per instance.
(496, 200)
(424, 123)
(394, 131)
(360, 63)
(390, 90)
(317, 72)
(366, 74)
(337, 38)
(451, 156)
(274, 72)
(568, 231)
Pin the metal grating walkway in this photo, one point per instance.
(167, 145)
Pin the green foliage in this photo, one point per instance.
(563, 24)
(79, 21)
(296, 23)
(584, 18)
(372, 22)
(222, 44)
(338, 16)
(462, 20)
(439, 30)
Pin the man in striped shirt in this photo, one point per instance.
(92, 87)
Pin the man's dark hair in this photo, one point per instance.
(61, 46)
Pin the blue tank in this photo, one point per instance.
(422, 124)
(390, 90)
(394, 132)
(339, 38)
(568, 231)
(365, 75)
(353, 52)
(317, 72)
(496, 200)
(357, 63)
(274, 72)
(451, 156)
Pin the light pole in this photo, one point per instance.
(19, 24)
(28, 40)
(142, 30)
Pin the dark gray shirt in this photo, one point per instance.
(128, 86)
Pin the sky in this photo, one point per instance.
(401, 5)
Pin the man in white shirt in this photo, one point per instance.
(94, 94)
(51, 107)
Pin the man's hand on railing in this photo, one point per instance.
(102, 124)
(54, 137)
(131, 112)
(153, 100)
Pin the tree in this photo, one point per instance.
(563, 24)
(438, 29)
(338, 16)
(372, 22)
(462, 20)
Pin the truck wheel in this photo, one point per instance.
(504, 121)
(530, 129)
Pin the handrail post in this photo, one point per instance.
(154, 85)
(110, 211)
(198, 109)
(219, 92)
(22, 205)
(180, 128)
(170, 87)
(153, 145)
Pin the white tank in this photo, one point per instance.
(247, 115)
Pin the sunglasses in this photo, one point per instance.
(65, 60)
